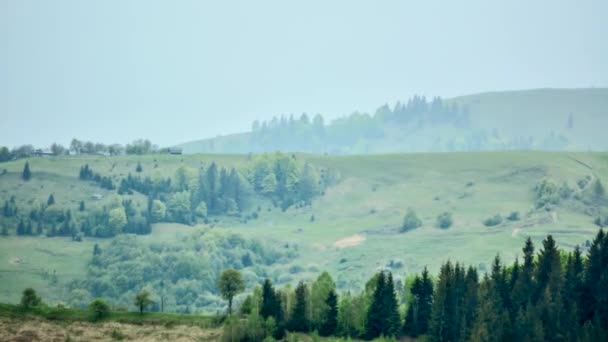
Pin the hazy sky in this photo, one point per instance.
(174, 71)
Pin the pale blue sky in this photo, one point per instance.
(174, 71)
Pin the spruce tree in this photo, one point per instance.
(374, 323)
(392, 320)
(548, 272)
(419, 311)
(299, 321)
(27, 174)
(328, 328)
(50, 200)
(524, 286)
(21, 227)
(443, 327)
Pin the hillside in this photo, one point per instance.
(350, 229)
(540, 119)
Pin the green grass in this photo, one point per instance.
(69, 315)
(370, 199)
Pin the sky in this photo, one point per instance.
(175, 71)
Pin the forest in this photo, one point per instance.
(551, 295)
(189, 197)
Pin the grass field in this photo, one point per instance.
(356, 221)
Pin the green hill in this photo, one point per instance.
(351, 229)
(541, 119)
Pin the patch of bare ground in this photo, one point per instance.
(34, 329)
(351, 241)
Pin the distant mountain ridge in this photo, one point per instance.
(537, 119)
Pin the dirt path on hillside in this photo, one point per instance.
(351, 241)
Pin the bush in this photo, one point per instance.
(493, 221)
(99, 309)
(444, 220)
(30, 299)
(546, 193)
(513, 216)
(117, 335)
(411, 221)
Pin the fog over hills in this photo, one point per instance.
(539, 119)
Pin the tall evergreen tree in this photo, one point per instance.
(525, 284)
(548, 272)
(271, 303)
(328, 328)
(374, 324)
(299, 320)
(443, 327)
(27, 174)
(50, 200)
(392, 320)
(418, 313)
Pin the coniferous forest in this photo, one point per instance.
(548, 295)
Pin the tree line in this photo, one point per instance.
(308, 134)
(137, 147)
(552, 295)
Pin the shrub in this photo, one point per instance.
(513, 216)
(117, 335)
(411, 221)
(30, 299)
(444, 220)
(546, 193)
(99, 309)
(493, 221)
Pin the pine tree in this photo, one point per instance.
(27, 174)
(299, 321)
(271, 303)
(419, 311)
(139, 168)
(392, 320)
(524, 286)
(443, 327)
(50, 200)
(374, 323)
(81, 207)
(470, 302)
(548, 272)
(328, 328)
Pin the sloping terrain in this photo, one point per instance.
(539, 119)
(352, 229)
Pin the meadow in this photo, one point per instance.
(351, 230)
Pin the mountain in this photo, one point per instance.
(539, 119)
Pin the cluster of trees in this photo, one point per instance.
(552, 296)
(182, 274)
(312, 135)
(144, 185)
(41, 219)
(87, 174)
(191, 195)
(279, 177)
(138, 147)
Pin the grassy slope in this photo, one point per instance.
(370, 200)
(524, 113)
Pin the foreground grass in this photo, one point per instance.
(78, 315)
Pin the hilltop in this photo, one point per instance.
(539, 119)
